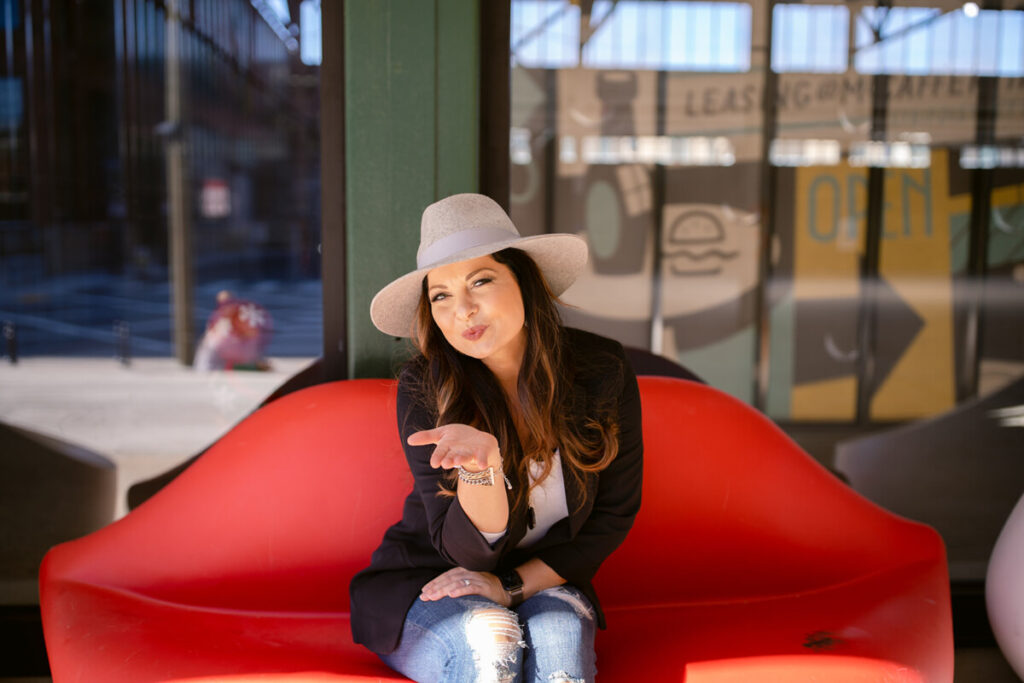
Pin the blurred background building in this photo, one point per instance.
(105, 108)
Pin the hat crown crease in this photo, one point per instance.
(461, 241)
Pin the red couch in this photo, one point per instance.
(748, 561)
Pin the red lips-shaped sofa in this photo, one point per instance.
(748, 561)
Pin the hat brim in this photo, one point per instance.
(560, 257)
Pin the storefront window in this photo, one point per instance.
(645, 127)
(92, 98)
(649, 145)
(155, 156)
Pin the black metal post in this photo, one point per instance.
(762, 311)
(977, 246)
(657, 218)
(867, 322)
(333, 254)
(11, 342)
(123, 338)
(495, 98)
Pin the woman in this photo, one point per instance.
(524, 441)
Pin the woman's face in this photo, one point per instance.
(479, 308)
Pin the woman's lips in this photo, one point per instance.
(475, 332)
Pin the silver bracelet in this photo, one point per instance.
(481, 478)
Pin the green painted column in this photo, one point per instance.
(411, 134)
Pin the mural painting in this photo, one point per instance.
(593, 154)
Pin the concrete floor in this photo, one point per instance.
(145, 418)
(982, 665)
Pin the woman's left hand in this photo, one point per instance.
(458, 581)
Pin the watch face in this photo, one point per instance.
(511, 581)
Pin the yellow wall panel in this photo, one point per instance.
(830, 210)
(830, 213)
(832, 399)
(916, 264)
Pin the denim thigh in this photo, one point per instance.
(559, 626)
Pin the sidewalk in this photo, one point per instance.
(146, 418)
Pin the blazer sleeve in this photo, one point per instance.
(616, 497)
(451, 532)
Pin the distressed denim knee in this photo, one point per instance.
(573, 598)
(461, 639)
(496, 640)
(559, 629)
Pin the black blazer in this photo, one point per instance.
(435, 534)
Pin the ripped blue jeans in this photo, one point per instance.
(547, 639)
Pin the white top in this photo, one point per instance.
(547, 501)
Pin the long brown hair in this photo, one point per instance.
(461, 389)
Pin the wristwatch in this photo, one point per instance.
(513, 585)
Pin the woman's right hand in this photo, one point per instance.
(458, 581)
(459, 445)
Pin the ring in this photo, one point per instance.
(465, 581)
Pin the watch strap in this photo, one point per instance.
(512, 582)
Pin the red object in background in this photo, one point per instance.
(748, 561)
(237, 333)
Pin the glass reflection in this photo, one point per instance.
(666, 134)
(93, 99)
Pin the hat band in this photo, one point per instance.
(460, 241)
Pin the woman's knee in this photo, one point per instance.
(561, 607)
(459, 639)
(560, 626)
(495, 640)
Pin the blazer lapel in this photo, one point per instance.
(574, 496)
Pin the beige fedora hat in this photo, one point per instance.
(462, 227)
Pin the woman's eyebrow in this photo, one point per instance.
(478, 270)
(470, 276)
